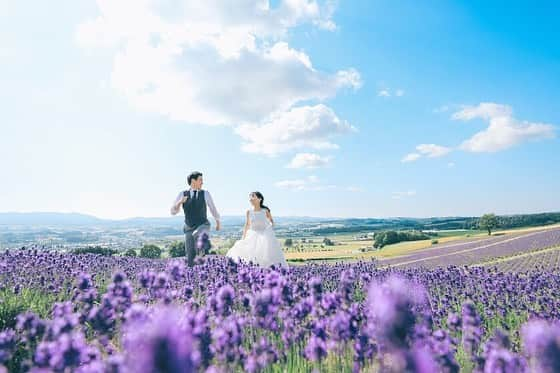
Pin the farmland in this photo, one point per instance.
(468, 302)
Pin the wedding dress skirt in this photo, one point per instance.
(260, 245)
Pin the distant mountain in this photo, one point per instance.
(77, 219)
(47, 218)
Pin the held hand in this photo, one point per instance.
(184, 199)
(218, 226)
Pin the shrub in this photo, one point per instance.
(328, 242)
(177, 249)
(390, 237)
(99, 250)
(130, 252)
(150, 251)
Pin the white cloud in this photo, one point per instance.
(451, 164)
(309, 183)
(484, 110)
(308, 160)
(432, 150)
(312, 183)
(427, 150)
(215, 62)
(389, 93)
(384, 93)
(411, 157)
(503, 132)
(300, 127)
(401, 195)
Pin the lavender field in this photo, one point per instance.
(479, 251)
(542, 260)
(89, 313)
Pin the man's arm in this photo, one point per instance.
(176, 207)
(212, 208)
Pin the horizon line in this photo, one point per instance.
(279, 216)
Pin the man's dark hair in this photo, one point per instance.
(193, 176)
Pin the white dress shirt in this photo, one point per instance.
(209, 202)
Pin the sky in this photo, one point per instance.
(329, 108)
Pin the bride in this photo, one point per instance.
(259, 243)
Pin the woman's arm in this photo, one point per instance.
(269, 216)
(247, 224)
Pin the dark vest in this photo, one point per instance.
(195, 210)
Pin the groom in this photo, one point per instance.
(194, 202)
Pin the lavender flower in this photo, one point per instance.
(159, 345)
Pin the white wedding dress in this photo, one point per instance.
(260, 245)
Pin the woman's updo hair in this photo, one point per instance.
(261, 197)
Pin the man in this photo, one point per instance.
(194, 201)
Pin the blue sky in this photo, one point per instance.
(351, 109)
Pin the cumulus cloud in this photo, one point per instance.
(485, 110)
(411, 157)
(308, 160)
(300, 127)
(384, 93)
(390, 93)
(427, 150)
(218, 62)
(309, 183)
(503, 132)
(312, 183)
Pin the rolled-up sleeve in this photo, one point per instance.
(211, 206)
(175, 208)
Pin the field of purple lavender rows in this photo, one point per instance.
(96, 314)
(471, 253)
(547, 260)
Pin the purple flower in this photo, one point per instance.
(503, 361)
(146, 278)
(454, 321)
(30, 326)
(176, 269)
(316, 349)
(390, 306)
(7, 345)
(472, 329)
(224, 299)
(227, 339)
(316, 287)
(541, 342)
(203, 243)
(159, 345)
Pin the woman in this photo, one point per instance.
(259, 243)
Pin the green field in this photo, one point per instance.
(347, 248)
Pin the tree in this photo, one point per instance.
(328, 242)
(150, 251)
(130, 252)
(289, 242)
(488, 222)
(177, 249)
(99, 250)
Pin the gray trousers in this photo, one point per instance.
(191, 236)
